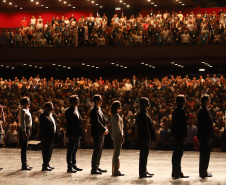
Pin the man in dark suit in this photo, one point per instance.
(179, 133)
(98, 131)
(205, 134)
(73, 133)
(48, 133)
(146, 134)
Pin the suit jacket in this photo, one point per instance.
(205, 125)
(46, 127)
(179, 124)
(98, 122)
(134, 84)
(145, 127)
(73, 122)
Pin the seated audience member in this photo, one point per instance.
(191, 133)
(25, 42)
(169, 39)
(101, 40)
(185, 38)
(160, 40)
(38, 35)
(10, 38)
(131, 39)
(92, 40)
(224, 38)
(119, 39)
(203, 39)
(138, 39)
(34, 42)
(50, 41)
(58, 41)
(177, 39)
(42, 42)
(217, 38)
(165, 140)
(146, 39)
(12, 136)
(18, 39)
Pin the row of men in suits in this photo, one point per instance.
(146, 134)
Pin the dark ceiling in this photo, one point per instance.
(93, 4)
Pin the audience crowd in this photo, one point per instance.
(161, 93)
(161, 28)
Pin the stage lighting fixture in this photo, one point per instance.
(202, 70)
(4, 1)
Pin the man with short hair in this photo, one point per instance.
(146, 134)
(73, 133)
(179, 133)
(25, 122)
(48, 133)
(205, 134)
(98, 131)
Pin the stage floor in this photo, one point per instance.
(159, 163)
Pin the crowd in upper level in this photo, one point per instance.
(156, 28)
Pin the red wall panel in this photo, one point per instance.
(12, 20)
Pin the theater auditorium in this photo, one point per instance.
(112, 92)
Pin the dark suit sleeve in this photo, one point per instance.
(96, 121)
(42, 129)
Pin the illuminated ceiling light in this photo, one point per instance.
(2, 65)
(10, 3)
(65, 2)
(149, 0)
(40, 67)
(183, 4)
(152, 3)
(64, 66)
(53, 64)
(73, 7)
(30, 65)
(83, 64)
(12, 67)
(150, 65)
(172, 62)
(4, 1)
(176, 64)
(121, 65)
(155, 5)
(35, 66)
(37, 2)
(128, 6)
(92, 2)
(69, 4)
(180, 2)
(153, 67)
(201, 69)
(125, 67)
(21, 8)
(112, 63)
(32, 0)
(203, 62)
(117, 64)
(97, 67)
(124, 3)
(42, 5)
(101, 6)
(59, 65)
(7, 66)
(60, 0)
(120, 1)
(97, 4)
(182, 66)
(211, 66)
(177, 0)
(142, 62)
(92, 66)
(88, 65)
(146, 64)
(47, 7)
(69, 67)
(24, 64)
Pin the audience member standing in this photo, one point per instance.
(205, 134)
(25, 122)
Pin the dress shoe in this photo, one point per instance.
(178, 175)
(76, 168)
(102, 171)
(71, 170)
(95, 172)
(52, 168)
(146, 176)
(203, 176)
(152, 174)
(46, 169)
(118, 174)
(26, 168)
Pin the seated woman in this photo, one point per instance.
(42, 42)
(34, 42)
(101, 40)
(160, 39)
